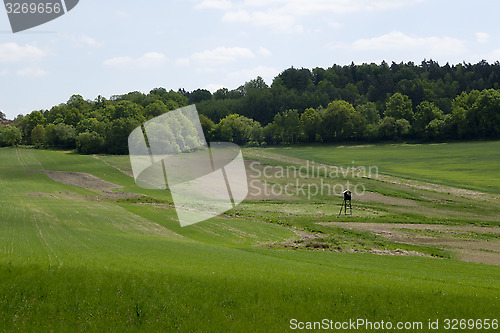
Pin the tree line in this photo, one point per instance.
(369, 102)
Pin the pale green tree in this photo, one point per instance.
(310, 122)
(341, 121)
(38, 136)
(399, 106)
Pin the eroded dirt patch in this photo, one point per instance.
(470, 243)
(85, 180)
(379, 198)
(81, 179)
(315, 242)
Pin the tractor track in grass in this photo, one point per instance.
(458, 192)
(128, 173)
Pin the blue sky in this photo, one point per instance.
(114, 47)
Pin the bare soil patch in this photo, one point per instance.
(81, 179)
(312, 241)
(380, 198)
(105, 195)
(84, 180)
(294, 243)
(442, 236)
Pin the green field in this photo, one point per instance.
(467, 165)
(74, 258)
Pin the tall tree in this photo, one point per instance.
(426, 112)
(341, 122)
(310, 122)
(30, 122)
(117, 134)
(370, 112)
(484, 116)
(155, 109)
(287, 127)
(199, 95)
(10, 136)
(399, 106)
(89, 143)
(238, 129)
(38, 136)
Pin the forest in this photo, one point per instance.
(353, 103)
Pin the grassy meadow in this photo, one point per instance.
(472, 165)
(86, 259)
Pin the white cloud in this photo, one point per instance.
(491, 57)
(264, 52)
(84, 41)
(89, 41)
(31, 72)
(147, 60)
(217, 4)
(400, 41)
(122, 15)
(221, 55)
(276, 19)
(213, 87)
(482, 37)
(152, 59)
(342, 6)
(285, 15)
(335, 25)
(119, 61)
(208, 60)
(13, 52)
(267, 73)
(182, 62)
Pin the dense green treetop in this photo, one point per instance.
(367, 102)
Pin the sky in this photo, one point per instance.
(113, 47)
